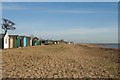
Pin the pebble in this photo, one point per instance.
(58, 65)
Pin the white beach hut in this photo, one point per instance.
(30, 41)
(6, 41)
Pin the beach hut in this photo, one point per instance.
(27, 41)
(31, 41)
(55, 42)
(24, 42)
(18, 41)
(46, 42)
(58, 42)
(14, 40)
(35, 41)
(11, 43)
(1, 41)
(38, 42)
(6, 41)
(42, 41)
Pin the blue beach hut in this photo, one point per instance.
(24, 42)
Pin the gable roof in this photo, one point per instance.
(22, 36)
(13, 35)
(35, 38)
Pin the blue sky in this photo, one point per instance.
(83, 22)
(60, 0)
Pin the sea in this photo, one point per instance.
(115, 46)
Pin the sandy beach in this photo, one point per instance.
(60, 61)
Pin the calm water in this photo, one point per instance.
(115, 46)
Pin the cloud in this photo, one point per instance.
(17, 7)
(107, 34)
(80, 11)
(81, 34)
(13, 7)
(78, 31)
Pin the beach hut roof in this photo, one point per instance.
(57, 41)
(50, 40)
(28, 37)
(13, 35)
(35, 38)
(22, 36)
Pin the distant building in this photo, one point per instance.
(69, 42)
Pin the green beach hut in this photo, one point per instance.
(38, 42)
(18, 41)
(35, 41)
(14, 40)
(26, 41)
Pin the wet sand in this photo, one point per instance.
(61, 61)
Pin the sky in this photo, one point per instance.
(81, 22)
(60, 0)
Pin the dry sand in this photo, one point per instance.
(61, 61)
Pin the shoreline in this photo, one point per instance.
(97, 45)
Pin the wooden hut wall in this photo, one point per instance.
(26, 41)
(22, 42)
(18, 41)
(38, 42)
(35, 43)
(29, 41)
(15, 42)
(1, 43)
(11, 44)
